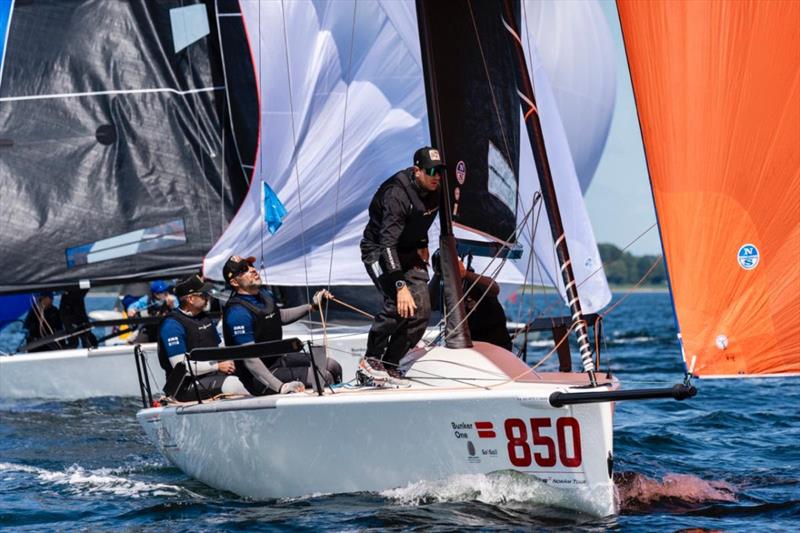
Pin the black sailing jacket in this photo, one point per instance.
(400, 214)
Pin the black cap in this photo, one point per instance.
(236, 266)
(191, 285)
(427, 157)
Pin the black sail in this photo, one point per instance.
(114, 149)
(475, 123)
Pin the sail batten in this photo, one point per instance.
(717, 87)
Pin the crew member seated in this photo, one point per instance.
(486, 317)
(43, 320)
(189, 327)
(251, 315)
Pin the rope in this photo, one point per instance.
(352, 308)
(630, 291)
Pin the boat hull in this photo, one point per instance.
(111, 370)
(380, 439)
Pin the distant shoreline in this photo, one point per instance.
(614, 288)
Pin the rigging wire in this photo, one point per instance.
(201, 140)
(347, 81)
(262, 265)
(491, 86)
(296, 154)
(228, 94)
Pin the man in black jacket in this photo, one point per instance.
(395, 253)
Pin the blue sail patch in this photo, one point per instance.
(274, 210)
(5, 23)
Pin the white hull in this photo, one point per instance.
(111, 370)
(378, 439)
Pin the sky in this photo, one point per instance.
(619, 199)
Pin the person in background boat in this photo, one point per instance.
(251, 315)
(74, 317)
(395, 253)
(189, 327)
(159, 302)
(485, 315)
(43, 320)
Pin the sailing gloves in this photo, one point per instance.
(318, 297)
(292, 386)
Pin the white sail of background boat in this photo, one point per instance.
(118, 188)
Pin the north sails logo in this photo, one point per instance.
(748, 256)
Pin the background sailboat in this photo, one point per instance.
(115, 143)
(717, 88)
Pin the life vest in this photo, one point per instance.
(199, 330)
(267, 318)
(266, 327)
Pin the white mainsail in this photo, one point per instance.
(343, 108)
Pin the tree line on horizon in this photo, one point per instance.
(624, 268)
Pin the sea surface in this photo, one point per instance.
(729, 459)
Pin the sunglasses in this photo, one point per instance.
(433, 171)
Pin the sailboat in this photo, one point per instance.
(471, 408)
(116, 159)
(717, 87)
(149, 198)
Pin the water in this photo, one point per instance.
(728, 459)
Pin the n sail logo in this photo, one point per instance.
(748, 256)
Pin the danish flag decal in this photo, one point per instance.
(485, 430)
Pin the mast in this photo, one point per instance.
(457, 333)
(534, 127)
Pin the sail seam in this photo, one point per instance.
(111, 93)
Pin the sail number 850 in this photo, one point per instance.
(568, 442)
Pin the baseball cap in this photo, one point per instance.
(236, 266)
(427, 157)
(159, 286)
(192, 285)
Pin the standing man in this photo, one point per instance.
(251, 315)
(395, 253)
(189, 327)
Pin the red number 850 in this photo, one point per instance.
(519, 451)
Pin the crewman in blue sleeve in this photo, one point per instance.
(251, 315)
(189, 327)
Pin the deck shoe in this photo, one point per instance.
(373, 368)
(396, 378)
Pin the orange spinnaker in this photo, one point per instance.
(717, 86)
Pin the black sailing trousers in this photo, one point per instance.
(391, 336)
